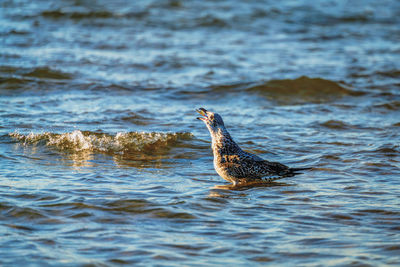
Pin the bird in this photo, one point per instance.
(236, 165)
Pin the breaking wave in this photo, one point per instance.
(121, 143)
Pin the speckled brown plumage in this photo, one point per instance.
(235, 165)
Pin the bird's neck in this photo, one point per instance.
(222, 142)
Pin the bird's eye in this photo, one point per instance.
(211, 116)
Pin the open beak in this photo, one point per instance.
(203, 112)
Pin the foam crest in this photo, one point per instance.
(89, 141)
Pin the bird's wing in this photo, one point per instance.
(255, 169)
(278, 168)
(248, 155)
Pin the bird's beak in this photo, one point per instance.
(203, 112)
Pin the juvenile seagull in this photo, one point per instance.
(235, 165)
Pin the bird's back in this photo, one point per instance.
(233, 164)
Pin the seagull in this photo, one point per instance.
(236, 165)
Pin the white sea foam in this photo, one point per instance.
(90, 141)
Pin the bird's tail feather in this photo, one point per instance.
(295, 171)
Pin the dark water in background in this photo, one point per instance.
(103, 163)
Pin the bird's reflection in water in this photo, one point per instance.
(222, 190)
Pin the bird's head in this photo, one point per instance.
(212, 120)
